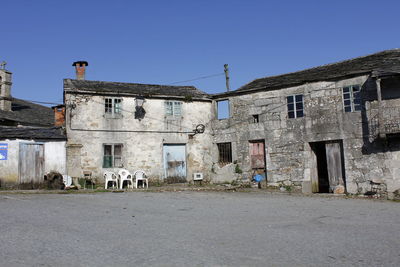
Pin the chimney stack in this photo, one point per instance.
(5, 88)
(80, 67)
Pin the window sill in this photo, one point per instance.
(113, 116)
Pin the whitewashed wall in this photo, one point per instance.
(9, 167)
(55, 159)
(141, 150)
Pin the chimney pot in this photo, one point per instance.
(80, 68)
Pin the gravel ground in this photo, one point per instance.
(197, 229)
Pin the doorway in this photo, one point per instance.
(31, 165)
(257, 158)
(328, 167)
(175, 163)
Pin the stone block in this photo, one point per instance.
(306, 187)
(339, 189)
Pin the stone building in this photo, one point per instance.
(30, 145)
(19, 112)
(155, 128)
(333, 128)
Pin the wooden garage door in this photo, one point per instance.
(31, 165)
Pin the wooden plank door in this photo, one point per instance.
(175, 163)
(257, 155)
(31, 165)
(334, 164)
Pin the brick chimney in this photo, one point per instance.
(5, 88)
(80, 67)
(59, 115)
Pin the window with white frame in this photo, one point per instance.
(351, 98)
(112, 106)
(295, 106)
(112, 156)
(173, 108)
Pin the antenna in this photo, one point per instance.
(226, 76)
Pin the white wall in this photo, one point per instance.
(141, 150)
(55, 157)
(9, 167)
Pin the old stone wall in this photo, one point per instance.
(89, 128)
(288, 141)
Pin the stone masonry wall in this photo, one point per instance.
(142, 149)
(287, 141)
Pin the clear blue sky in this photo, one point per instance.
(161, 42)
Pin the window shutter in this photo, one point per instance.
(177, 108)
(168, 108)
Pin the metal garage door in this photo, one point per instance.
(175, 163)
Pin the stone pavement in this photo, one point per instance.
(197, 229)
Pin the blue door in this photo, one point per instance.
(175, 163)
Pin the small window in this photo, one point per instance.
(351, 98)
(223, 109)
(256, 119)
(224, 152)
(173, 108)
(112, 156)
(295, 106)
(112, 106)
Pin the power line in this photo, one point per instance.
(40, 102)
(199, 78)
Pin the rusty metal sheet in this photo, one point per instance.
(257, 155)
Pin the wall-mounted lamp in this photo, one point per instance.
(139, 101)
(139, 110)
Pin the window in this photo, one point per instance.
(112, 156)
(223, 109)
(224, 152)
(295, 106)
(256, 119)
(173, 108)
(112, 106)
(351, 98)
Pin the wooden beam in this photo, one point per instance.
(382, 133)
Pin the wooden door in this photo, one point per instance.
(334, 164)
(175, 163)
(257, 155)
(31, 165)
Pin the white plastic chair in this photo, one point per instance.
(140, 176)
(110, 177)
(125, 175)
(67, 180)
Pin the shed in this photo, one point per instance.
(27, 154)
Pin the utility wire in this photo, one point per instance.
(199, 78)
(38, 102)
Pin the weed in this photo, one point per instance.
(238, 169)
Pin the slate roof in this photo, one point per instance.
(385, 61)
(147, 90)
(32, 133)
(27, 113)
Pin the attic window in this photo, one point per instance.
(351, 98)
(295, 106)
(223, 109)
(173, 108)
(112, 106)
